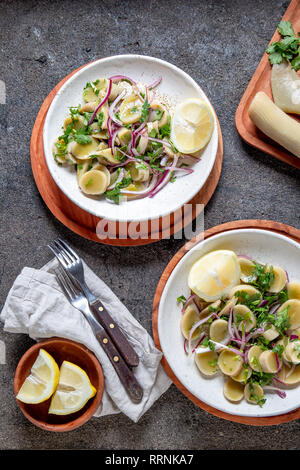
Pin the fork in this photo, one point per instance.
(71, 262)
(80, 302)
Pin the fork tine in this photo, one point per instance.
(61, 283)
(69, 283)
(57, 254)
(69, 260)
(68, 248)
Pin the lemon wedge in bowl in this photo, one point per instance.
(42, 380)
(73, 391)
(214, 274)
(192, 125)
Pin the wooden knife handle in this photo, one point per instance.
(119, 339)
(125, 374)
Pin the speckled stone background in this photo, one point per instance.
(219, 43)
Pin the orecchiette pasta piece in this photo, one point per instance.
(250, 290)
(82, 168)
(243, 317)
(77, 122)
(228, 306)
(161, 111)
(253, 358)
(114, 92)
(188, 319)
(139, 172)
(288, 375)
(233, 391)
(267, 360)
(283, 342)
(96, 90)
(279, 281)
(97, 132)
(98, 166)
(103, 114)
(229, 362)
(292, 352)
(210, 308)
(207, 362)
(131, 110)
(253, 393)
(83, 151)
(247, 270)
(292, 307)
(93, 182)
(88, 107)
(151, 126)
(124, 135)
(271, 333)
(293, 289)
(142, 145)
(106, 156)
(218, 330)
(244, 374)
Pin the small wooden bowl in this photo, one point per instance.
(61, 350)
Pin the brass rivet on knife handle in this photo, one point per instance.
(105, 340)
(126, 376)
(115, 334)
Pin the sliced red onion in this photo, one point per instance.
(278, 363)
(279, 380)
(111, 110)
(292, 337)
(101, 104)
(118, 180)
(190, 299)
(155, 83)
(274, 308)
(230, 330)
(200, 341)
(219, 346)
(287, 276)
(117, 78)
(279, 392)
(194, 328)
(290, 371)
(143, 193)
(244, 256)
(262, 303)
(164, 179)
(113, 138)
(185, 346)
(236, 332)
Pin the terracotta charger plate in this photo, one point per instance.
(84, 223)
(272, 226)
(261, 81)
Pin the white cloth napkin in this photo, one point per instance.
(36, 305)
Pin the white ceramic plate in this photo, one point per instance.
(262, 245)
(177, 86)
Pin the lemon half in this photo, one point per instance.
(214, 274)
(192, 125)
(42, 381)
(73, 391)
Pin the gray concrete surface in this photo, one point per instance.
(219, 43)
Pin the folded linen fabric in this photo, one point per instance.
(36, 306)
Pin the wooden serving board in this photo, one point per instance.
(84, 223)
(277, 227)
(261, 81)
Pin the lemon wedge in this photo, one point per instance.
(214, 274)
(286, 87)
(42, 381)
(73, 391)
(192, 125)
